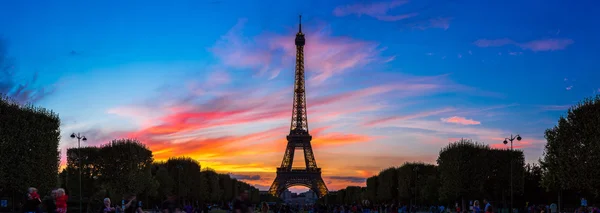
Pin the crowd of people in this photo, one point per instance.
(57, 203)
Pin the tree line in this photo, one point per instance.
(29, 139)
(125, 167)
(465, 170)
(468, 170)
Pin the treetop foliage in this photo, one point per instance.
(29, 138)
(572, 152)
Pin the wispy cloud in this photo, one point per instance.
(352, 179)
(441, 23)
(246, 177)
(536, 45)
(460, 120)
(20, 91)
(408, 117)
(378, 10)
(216, 117)
(269, 54)
(555, 107)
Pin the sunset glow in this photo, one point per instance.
(387, 81)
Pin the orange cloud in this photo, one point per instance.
(460, 120)
(339, 139)
(240, 128)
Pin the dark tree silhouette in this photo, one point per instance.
(572, 153)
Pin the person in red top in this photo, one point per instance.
(32, 201)
(61, 201)
(457, 208)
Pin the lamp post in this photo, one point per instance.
(79, 139)
(511, 139)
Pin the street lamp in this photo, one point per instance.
(511, 139)
(79, 139)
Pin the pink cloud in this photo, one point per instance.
(547, 44)
(460, 120)
(211, 121)
(269, 54)
(378, 10)
(536, 45)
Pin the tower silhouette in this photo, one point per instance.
(299, 138)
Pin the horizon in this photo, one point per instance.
(387, 82)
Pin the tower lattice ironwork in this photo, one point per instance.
(299, 138)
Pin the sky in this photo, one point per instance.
(388, 82)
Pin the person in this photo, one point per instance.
(131, 205)
(187, 207)
(107, 207)
(32, 201)
(49, 202)
(457, 208)
(168, 206)
(553, 208)
(487, 205)
(264, 207)
(61, 201)
(489, 209)
(240, 205)
(476, 208)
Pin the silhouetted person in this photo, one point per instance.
(32, 201)
(240, 204)
(49, 202)
(168, 206)
(131, 204)
(107, 207)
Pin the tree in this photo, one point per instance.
(125, 166)
(468, 169)
(460, 164)
(418, 183)
(29, 139)
(372, 185)
(212, 189)
(185, 172)
(88, 158)
(166, 184)
(572, 152)
(388, 185)
(226, 184)
(533, 190)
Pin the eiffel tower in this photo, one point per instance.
(299, 138)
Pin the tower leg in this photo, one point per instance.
(319, 187)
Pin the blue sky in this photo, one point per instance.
(388, 81)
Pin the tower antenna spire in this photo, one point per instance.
(300, 21)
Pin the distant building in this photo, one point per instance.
(286, 195)
(304, 198)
